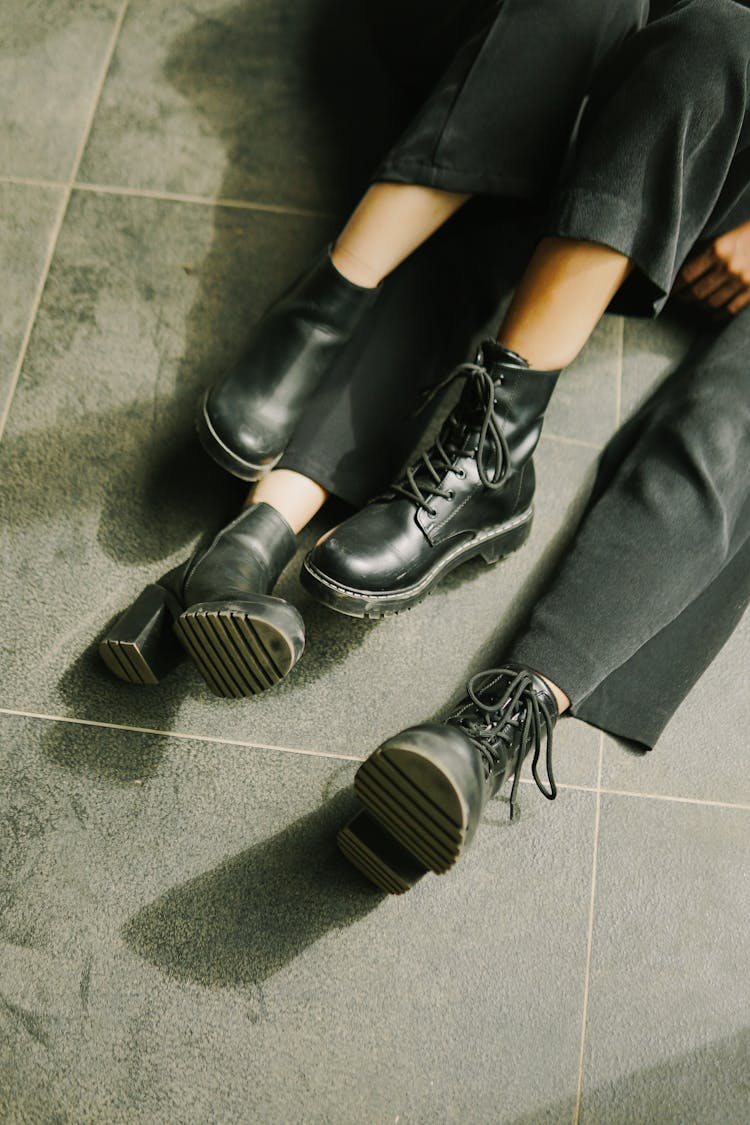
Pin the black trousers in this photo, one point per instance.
(613, 130)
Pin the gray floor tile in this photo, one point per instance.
(51, 57)
(262, 100)
(667, 1033)
(27, 216)
(584, 405)
(703, 752)
(180, 942)
(105, 487)
(652, 349)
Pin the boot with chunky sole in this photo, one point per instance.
(246, 421)
(217, 609)
(428, 786)
(470, 495)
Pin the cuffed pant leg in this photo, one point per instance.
(660, 547)
(663, 157)
(500, 119)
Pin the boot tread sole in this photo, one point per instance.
(396, 795)
(232, 653)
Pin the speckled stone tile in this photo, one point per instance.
(703, 752)
(27, 217)
(667, 1036)
(180, 942)
(105, 487)
(51, 56)
(585, 403)
(262, 100)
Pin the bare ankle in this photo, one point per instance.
(355, 269)
(561, 699)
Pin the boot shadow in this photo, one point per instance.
(239, 924)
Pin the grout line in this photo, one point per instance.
(27, 181)
(618, 381)
(59, 219)
(739, 805)
(590, 939)
(191, 736)
(204, 200)
(570, 440)
(54, 235)
(677, 800)
(184, 736)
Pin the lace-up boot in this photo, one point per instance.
(247, 419)
(469, 495)
(429, 785)
(217, 609)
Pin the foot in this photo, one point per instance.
(246, 421)
(428, 786)
(470, 495)
(217, 609)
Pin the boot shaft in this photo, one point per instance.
(247, 556)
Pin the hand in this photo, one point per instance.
(719, 276)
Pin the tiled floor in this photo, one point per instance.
(179, 941)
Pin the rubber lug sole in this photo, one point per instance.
(226, 458)
(242, 649)
(373, 851)
(416, 803)
(357, 603)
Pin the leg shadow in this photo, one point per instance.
(244, 921)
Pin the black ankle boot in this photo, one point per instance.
(429, 785)
(470, 494)
(246, 421)
(217, 605)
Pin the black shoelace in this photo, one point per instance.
(424, 478)
(486, 724)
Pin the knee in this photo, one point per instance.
(711, 33)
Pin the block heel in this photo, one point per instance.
(367, 845)
(141, 647)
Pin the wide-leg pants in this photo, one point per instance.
(660, 163)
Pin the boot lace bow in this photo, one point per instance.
(493, 725)
(424, 478)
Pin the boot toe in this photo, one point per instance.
(246, 450)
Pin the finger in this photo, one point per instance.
(709, 283)
(739, 303)
(695, 268)
(725, 293)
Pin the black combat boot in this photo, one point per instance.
(246, 421)
(428, 786)
(217, 609)
(470, 494)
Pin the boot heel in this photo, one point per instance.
(141, 647)
(507, 542)
(376, 855)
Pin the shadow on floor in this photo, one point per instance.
(242, 922)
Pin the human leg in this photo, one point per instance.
(653, 585)
(391, 554)
(247, 419)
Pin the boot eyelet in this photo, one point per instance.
(432, 512)
(460, 473)
(451, 495)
